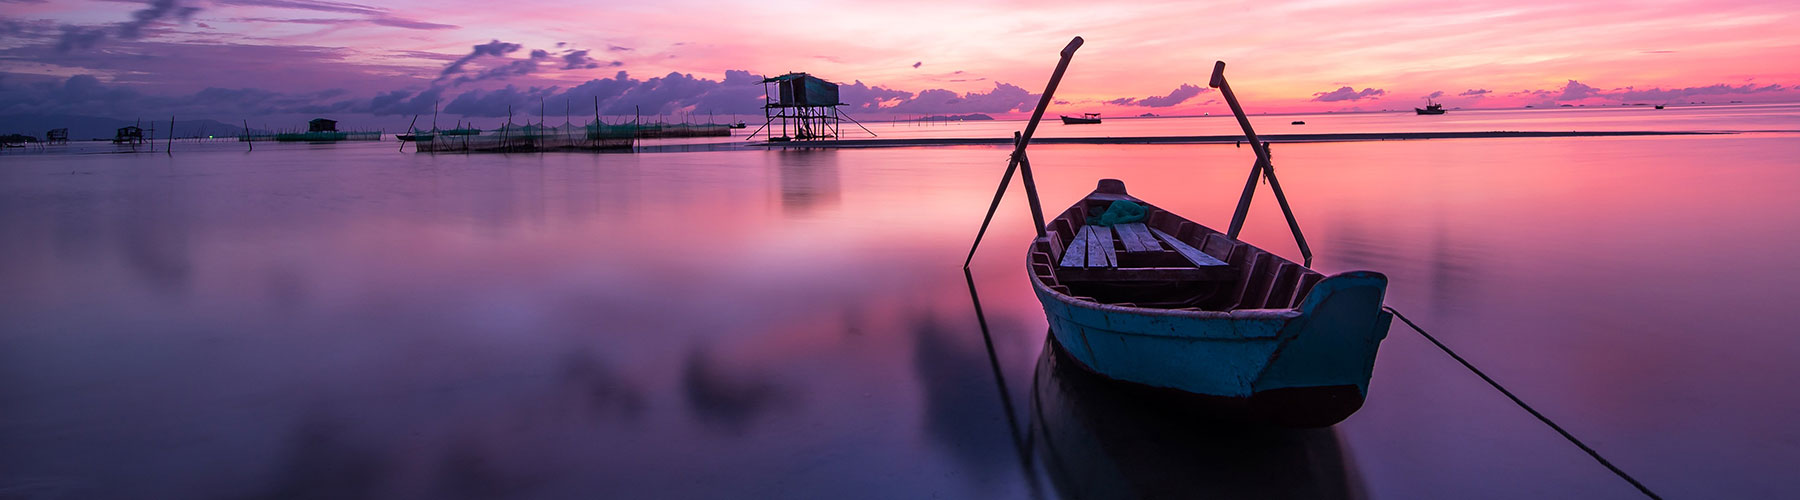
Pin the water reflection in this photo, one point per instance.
(809, 180)
(323, 461)
(724, 400)
(958, 411)
(598, 389)
(1097, 440)
(154, 240)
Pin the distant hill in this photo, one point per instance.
(83, 128)
(952, 118)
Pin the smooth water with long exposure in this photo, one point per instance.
(346, 321)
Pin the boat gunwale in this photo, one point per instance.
(1283, 313)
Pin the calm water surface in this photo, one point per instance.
(347, 321)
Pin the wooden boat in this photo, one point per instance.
(1085, 119)
(1431, 108)
(1140, 295)
(1172, 304)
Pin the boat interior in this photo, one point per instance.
(1162, 261)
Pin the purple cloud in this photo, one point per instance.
(578, 59)
(159, 9)
(1003, 98)
(83, 37)
(1575, 91)
(495, 48)
(1435, 95)
(1348, 94)
(918, 64)
(1633, 94)
(1475, 92)
(1179, 95)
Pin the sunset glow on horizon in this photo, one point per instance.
(224, 59)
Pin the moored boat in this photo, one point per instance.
(1169, 303)
(1138, 294)
(1141, 295)
(1085, 119)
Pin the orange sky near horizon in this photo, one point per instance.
(1284, 56)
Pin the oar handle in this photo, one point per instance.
(1069, 51)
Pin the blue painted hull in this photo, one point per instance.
(1302, 366)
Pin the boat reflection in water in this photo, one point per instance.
(1098, 438)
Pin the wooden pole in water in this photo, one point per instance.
(1037, 116)
(409, 131)
(247, 141)
(1243, 207)
(1020, 141)
(1263, 168)
(1037, 211)
(169, 148)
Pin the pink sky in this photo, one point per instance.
(1284, 56)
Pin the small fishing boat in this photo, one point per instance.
(1298, 122)
(1169, 303)
(1085, 119)
(1431, 108)
(1659, 106)
(414, 137)
(1142, 296)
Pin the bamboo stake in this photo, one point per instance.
(409, 130)
(1263, 168)
(1019, 143)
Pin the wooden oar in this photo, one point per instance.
(1020, 141)
(1263, 168)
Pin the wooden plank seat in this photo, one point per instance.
(1148, 255)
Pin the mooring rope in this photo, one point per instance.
(1515, 399)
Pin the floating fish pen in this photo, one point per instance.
(317, 130)
(526, 139)
(327, 136)
(676, 130)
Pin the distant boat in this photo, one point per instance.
(1298, 122)
(1086, 119)
(1431, 108)
(413, 137)
(1659, 106)
(740, 125)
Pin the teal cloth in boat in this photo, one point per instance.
(1120, 212)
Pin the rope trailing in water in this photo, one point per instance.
(1515, 399)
